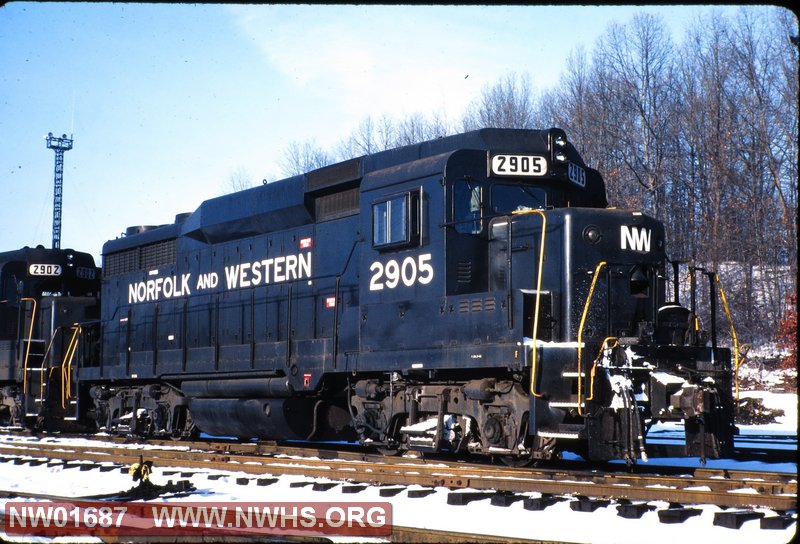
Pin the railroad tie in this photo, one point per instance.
(460, 498)
(735, 519)
(419, 493)
(585, 504)
(540, 503)
(781, 521)
(677, 515)
(634, 511)
(390, 491)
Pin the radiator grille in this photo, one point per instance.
(337, 205)
(139, 258)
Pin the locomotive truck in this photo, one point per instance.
(469, 294)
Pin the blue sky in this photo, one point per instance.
(167, 102)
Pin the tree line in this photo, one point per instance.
(700, 133)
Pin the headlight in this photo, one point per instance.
(557, 142)
(592, 234)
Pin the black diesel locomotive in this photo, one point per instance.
(467, 294)
(49, 309)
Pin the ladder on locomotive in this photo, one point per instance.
(581, 389)
(43, 376)
(573, 402)
(31, 357)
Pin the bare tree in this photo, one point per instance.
(369, 137)
(417, 128)
(566, 106)
(304, 157)
(509, 103)
(766, 158)
(705, 116)
(637, 58)
(737, 122)
(239, 180)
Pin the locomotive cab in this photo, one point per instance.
(533, 258)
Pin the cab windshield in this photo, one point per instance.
(507, 198)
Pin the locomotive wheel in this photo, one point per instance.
(186, 429)
(390, 451)
(515, 462)
(185, 434)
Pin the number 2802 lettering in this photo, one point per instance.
(408, 272)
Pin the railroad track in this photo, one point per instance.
(466, 481)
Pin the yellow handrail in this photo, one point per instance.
(737, 362)
(599, 267)
(66, 366)
(28, 347)
(597, 360)
(534, 359)
(42, 382)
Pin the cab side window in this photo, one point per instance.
(467, 206)
(395, 221)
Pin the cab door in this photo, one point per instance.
(402, 271)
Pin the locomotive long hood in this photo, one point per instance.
(248, 213)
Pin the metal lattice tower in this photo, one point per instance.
(59, 145)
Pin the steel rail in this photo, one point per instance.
(271, 454)
(723, 488)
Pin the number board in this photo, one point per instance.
(577, 175)
(517, 165)
(44, 270)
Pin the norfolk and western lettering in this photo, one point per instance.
(252, 274)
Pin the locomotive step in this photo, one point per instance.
(554, 404)
(562, 431)
(422, 435)
(556, 434)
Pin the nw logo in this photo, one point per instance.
(635, 238)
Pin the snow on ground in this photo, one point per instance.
(782, 401)
(556, 523)
(763, 373)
